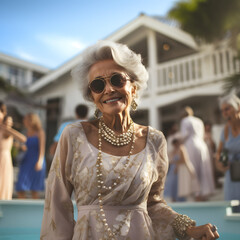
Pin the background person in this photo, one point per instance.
(116, 167)
(81, 114)
(188, 185)
(31, 174)
(7, 134)
(230, 141)
(181, 183)
(192, 132)
(172, 133)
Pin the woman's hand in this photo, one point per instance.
(23, 147)
(221, 168)
(219, 164)
(38, 165)
(203, 232)
(8, 122)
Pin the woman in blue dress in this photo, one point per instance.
(32, 169)
(230, 142)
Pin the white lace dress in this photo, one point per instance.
(134, 208)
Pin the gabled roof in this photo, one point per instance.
(22, 63)
(156, 25)
(142, 20)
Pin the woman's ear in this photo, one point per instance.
(134, 90)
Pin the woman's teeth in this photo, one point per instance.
(112, 100)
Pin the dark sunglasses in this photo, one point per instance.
(117, 80)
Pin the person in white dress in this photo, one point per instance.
(192, 132)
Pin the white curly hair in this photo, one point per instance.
(121, 54)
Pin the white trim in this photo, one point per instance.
(54, 75)
(22, 63)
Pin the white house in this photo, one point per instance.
(20, 73)
(181, 73)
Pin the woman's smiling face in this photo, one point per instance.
(111, 100)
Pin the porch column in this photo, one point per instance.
(28, 78)
(155, 117)
(152, 64)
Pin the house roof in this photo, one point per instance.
(22, 63)
(156, 25)
(141, 21)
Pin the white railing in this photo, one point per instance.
(197, 69)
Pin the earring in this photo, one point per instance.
(96, 113)
(134, 105)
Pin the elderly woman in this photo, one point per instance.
(230, 142)
(116, 167)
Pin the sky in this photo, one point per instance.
(51, 32)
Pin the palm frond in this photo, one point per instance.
(232, 83)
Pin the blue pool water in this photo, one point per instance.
(21, 220)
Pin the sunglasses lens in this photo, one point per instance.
(118, 80)
(97, 85)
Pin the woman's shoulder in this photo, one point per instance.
(40, 133)
(156, 138)
(89, 126)
(150, 133)
(155, 133)
(80, 128)
(145, 130)
(71, 128)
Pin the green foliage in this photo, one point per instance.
(210, 20)
(233, 82)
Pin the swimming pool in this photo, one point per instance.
(21, 219)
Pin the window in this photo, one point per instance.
(16, 76)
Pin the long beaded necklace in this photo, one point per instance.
(117, 140)
(101, 186)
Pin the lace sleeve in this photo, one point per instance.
(58, 221)
(163, 217)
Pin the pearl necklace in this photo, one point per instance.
(117, 140)
(101, 186)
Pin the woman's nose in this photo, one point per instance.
(108, 87)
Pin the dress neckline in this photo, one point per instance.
(32, 136)
(109, 154)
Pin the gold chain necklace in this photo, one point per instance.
(101, 186)
(117, 140)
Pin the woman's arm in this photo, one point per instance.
(58, 221)
(184, 130)
(41, 137)
(223, 138)
(167, 223)
(160, 213)
(219, 165)
(9, 131)
(185, 160)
